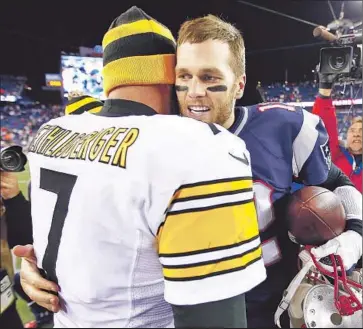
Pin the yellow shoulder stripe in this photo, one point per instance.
(208, 229)
(211, 188)
(75, 106)
(96, 109)
(217, 268)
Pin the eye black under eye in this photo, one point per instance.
(181, 88)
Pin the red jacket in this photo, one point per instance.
(324, 108)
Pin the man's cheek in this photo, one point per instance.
(184, 110)
(180, 100)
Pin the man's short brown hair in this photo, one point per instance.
(209, 27)
(356, 120)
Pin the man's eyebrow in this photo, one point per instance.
(181, 70)
(211, 70)
(206, 70)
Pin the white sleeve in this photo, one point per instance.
(209, 244)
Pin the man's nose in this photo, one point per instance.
(196, 89)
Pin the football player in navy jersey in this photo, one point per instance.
(284, 142)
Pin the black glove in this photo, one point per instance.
(326, 80)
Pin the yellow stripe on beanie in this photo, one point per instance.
(142, 26)
(160, 69)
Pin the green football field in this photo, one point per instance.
(23, 181)
(22, 306)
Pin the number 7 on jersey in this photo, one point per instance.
(61, 184)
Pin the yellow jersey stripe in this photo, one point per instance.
(213, 261)
(212, 195)
(208, 229)
(215, 206)
(76, 99)
(96, 109)
(197, 252)
(75, 106)
(137, 27)
(212, 187)
(217, 268)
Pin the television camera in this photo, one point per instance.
(12, 159)
(344, 55)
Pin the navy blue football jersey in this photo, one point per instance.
(283, 141)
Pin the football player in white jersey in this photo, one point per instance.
(143, 220)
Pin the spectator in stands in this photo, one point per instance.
(348, 158)
(291, 92)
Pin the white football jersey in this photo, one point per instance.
(132, 213)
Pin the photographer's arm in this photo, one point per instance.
(19, 221)
(324, 108)
(17, 213)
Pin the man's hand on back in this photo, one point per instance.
(34, 285)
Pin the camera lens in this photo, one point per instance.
(10, 160)
(337, 62)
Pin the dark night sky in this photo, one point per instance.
(33, 33)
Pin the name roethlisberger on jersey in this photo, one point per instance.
(108, 145)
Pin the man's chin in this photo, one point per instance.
(355, 150)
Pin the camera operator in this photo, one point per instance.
(348, 158)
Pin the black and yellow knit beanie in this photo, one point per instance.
(137, 50)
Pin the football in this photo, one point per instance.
(315, 215)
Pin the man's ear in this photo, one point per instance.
(241, 83)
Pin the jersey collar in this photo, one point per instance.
(123, 107)
(241, 117)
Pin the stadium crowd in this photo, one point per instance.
(306, 91)
(19, 122)
(291, 92)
